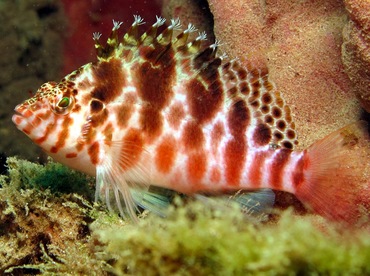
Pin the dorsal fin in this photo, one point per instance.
(268, 111)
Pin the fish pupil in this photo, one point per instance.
(64, 102)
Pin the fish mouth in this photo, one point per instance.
(21, 116)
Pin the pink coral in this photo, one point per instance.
(301, 42)
(356, 49)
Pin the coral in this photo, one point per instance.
(40, 232)
(301, 45)
(356, 49)
(189, 11)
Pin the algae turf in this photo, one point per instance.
(53, 176)
(194, 240)
(49, 233)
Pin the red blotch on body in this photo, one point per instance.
(196, 169)
(193, 137)
(93, 152)
(109, 80)
(204, 103)
(71, 155)
(255, 170)
(123, 114)
(238, 118)
(278, 164)
(151, 121)
(217, 134)
(298, 172)
(132, 148)
(154, 85)
(215, 175)
(175, 115)
(166, 154)
(235, 157)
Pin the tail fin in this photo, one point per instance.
(336, 176)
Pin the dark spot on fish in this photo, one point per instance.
(238, 118)
(265, 109)
(154, 84)
(203, 103)
(193, 137)
(278, 135)
(151, 121)
(291, 134)
(281, 125)
(262, 134)
(276, 112)
(287, 145)
(96, 106)
(269, 119)
(244, 88)
(109, 80)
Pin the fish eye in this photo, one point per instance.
(64, 102)
(63, 106)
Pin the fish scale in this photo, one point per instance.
(165, 109)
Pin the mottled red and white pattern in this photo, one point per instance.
(166, 110)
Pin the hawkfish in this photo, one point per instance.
(163, 108)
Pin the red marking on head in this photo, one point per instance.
(255, 171)
(36, 121)
(151, 122)
(71, 155)
(17, 119)
(45, 115)
(63, 134)
(203, 103)
(175, 115)
(27, 129)
(196, 168)
(93, 152)
(193, 137)
(278, 164)
(235, 157)
(238, 118)
(166, 154)
(49, 129)
(109, 80)
(132, 148)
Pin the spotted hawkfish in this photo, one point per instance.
(163, 108)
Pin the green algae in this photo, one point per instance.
(54, 233)
(53, 176)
